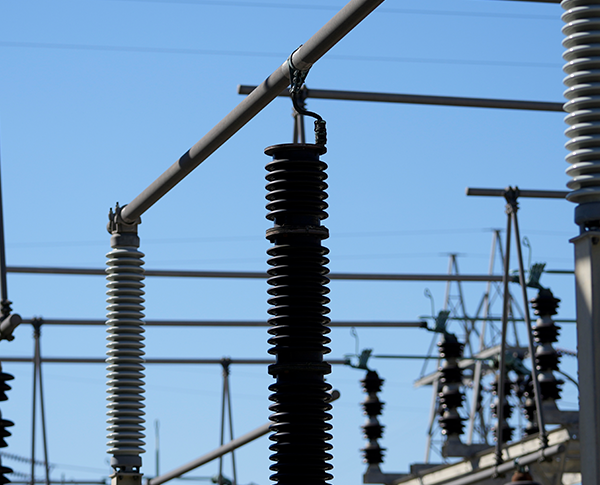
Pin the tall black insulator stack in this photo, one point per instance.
(372, 429)
(507, 430)
(296, 185)
(450, 397)
(4, 423)
(545, 333)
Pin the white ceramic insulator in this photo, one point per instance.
(125, 353)
(582, 44)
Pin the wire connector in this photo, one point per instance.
(297, 78)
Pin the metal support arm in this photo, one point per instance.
(315, 48)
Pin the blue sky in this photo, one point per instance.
(99, 97)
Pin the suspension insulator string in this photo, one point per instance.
(125, 351)
(296, 201)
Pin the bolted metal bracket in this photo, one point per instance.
(126, 478)
(8, 326)
(123, 233)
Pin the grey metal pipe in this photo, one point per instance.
(260, 275)
(220, 451)
(509, 465)
(213, 455)
(420, 99)
(232, 323)
(540, 194)
(329, 35)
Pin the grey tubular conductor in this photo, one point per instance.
(314, 48)
(420, 99)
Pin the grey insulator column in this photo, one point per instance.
(582, 43)
(125, 353)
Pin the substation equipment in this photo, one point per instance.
(298, 278)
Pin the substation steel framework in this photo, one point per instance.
(126, 274)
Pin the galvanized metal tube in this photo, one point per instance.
(260, 275)
(420, 99)
(329, 35)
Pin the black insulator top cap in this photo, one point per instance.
(545, 304)
(372, 382)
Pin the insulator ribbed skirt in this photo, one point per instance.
(4, 424)
(125, 355)
(451, 396)
(372, 429)
(582, 43)
(296, 185)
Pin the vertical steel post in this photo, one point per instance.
(37, 358)
(502, 356)
(125, 351)
(531, 346)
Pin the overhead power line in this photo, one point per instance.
(235, 53)
(302, 6)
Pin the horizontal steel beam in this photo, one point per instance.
(226, 323)
(420, 99)
(303, 58)
(259, 275)
(102, 360)
(538, 194)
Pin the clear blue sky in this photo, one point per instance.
(99, 97)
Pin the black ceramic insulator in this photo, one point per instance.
(4, 423)
(545, 333)
(451, 423)
(507, 433)
(450, 395)
(529, 410)
(296, 204)
(4, 386)
(372, 407)
(545, 304)
(506, 409)
(4, 470)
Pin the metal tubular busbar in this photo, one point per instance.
(309, 53)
